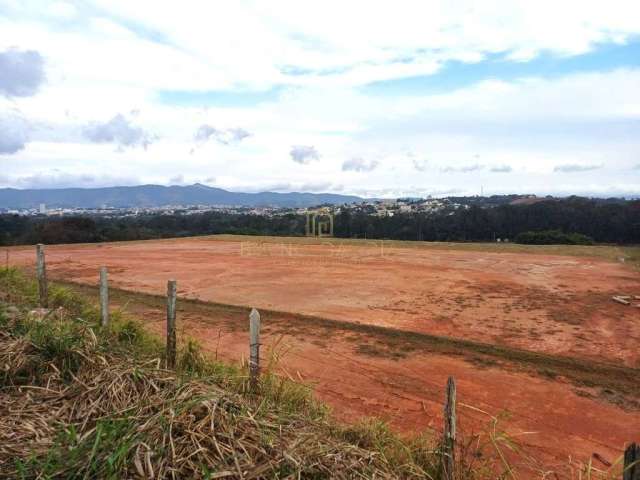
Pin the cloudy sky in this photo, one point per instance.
(374, 98)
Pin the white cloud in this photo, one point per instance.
(304, 154)
(177, 180)
(119, 131)
(420, 164)
(106, 57)
(575, 167)
(21, 72)
(331, 43)
(462, 169)
(361, 41)
(357, 164)
(62, 10)
(225, 136)
(59, 179)
(501, 169)
(14, 133)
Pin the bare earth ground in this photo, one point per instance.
(558, 305)
(547, 303)
(560, 415)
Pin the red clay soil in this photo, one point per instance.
(552, 304)
(559, 426)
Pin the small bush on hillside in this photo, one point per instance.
(553, 237)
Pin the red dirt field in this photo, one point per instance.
(552, 304)
(560, 305)
(558, 424)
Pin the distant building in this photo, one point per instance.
(43, 209)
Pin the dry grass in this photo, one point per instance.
(130, 420)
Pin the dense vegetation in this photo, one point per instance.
(603, 221)
(553, 237)
(607, 222)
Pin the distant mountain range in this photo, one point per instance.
(158, 195)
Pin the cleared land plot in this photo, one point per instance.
(365, 355)
(552, 303)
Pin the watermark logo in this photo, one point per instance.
(321, 253)
(319, 224)
(326, 250)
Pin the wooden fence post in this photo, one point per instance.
(631, 463)
(254, 348)
(171, 323)
(41, 272)
(104, 296)
(449, 432)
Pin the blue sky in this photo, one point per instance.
(457, 74)
(218, 98)
(377, 99)
(452, 75)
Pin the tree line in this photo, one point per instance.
(600, 221)
(605, 222)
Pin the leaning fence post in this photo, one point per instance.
(171, 324)
(41, 272)
(254, 348)
(104, 296)
(631, 469)
(449, 433)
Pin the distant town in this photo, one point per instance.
(380, 208)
